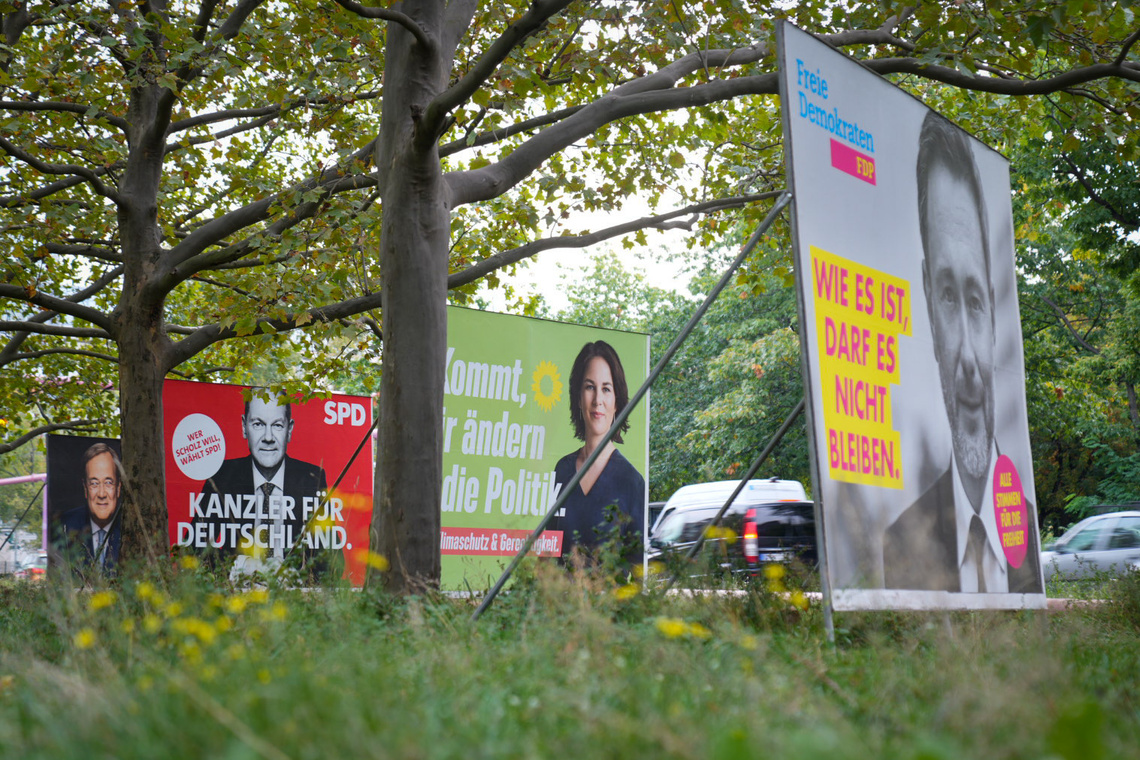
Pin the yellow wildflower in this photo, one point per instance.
(128, 626)
(373, 560)
(145, 590)
(628, 591)
(263, 675)
(172, 610)
(257, 596)
(235, 604)
(748, 641)
(321, 521)
(356, 502)
(672, 627)
(84, 638)
(101, 599)
(198, 628)
(152, 623)
(774, 571)
(189, 562)
(698, 631)
(720, 531)
(799, 600)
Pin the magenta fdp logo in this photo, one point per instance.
(1011, 511)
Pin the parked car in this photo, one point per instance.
(36, 570)
(755, 530)
(1100, 544)
(715, 494)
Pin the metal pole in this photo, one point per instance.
(696, 547)
(328, 493)
(22, 516)
(782, 201)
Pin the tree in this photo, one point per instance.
(1078, 210)
(497, 122)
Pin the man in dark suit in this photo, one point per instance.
(90, 535)
(948, 539)
(274, 495)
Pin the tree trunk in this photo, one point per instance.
(139, 329)
(413, 258)
(141, 372)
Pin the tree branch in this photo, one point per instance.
(84, 251)
(45, 168)
(455, 146)
(656, 92)
(384, 14)
(261, 114)
(208, 335)
(1077, 173)
(72, 108)
(96, 285)
(67, 351)
(56, 304)
(631, 99)
(1002, 86)
(83, 426)
(49, 329)
(1073, 333)
(188, 255)
(660, 221)
(536, 16)
(1128, 43)
(18, 201)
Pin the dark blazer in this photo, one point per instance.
(76, 541)
(235, 476)
(584, 522)
(920, 548)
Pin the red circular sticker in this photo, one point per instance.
(1011, 511)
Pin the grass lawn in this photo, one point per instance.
(568, 666)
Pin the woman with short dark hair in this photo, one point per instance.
(611, 495)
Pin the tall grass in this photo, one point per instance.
(566, 665)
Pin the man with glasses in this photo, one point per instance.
(92, 533)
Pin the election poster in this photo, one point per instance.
(84, 495)
(257, 481)
(522, 398)
(913, 362)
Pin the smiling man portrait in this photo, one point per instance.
(279, 486)
(90, 535)
(948, 539)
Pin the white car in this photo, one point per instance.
(1101, 544)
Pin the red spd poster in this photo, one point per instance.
(264, 482)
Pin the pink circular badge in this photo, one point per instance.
(1011, 511)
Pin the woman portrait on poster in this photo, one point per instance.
(612, 493)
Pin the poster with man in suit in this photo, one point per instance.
(84, 493)
(257, 481)
(913, 364)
